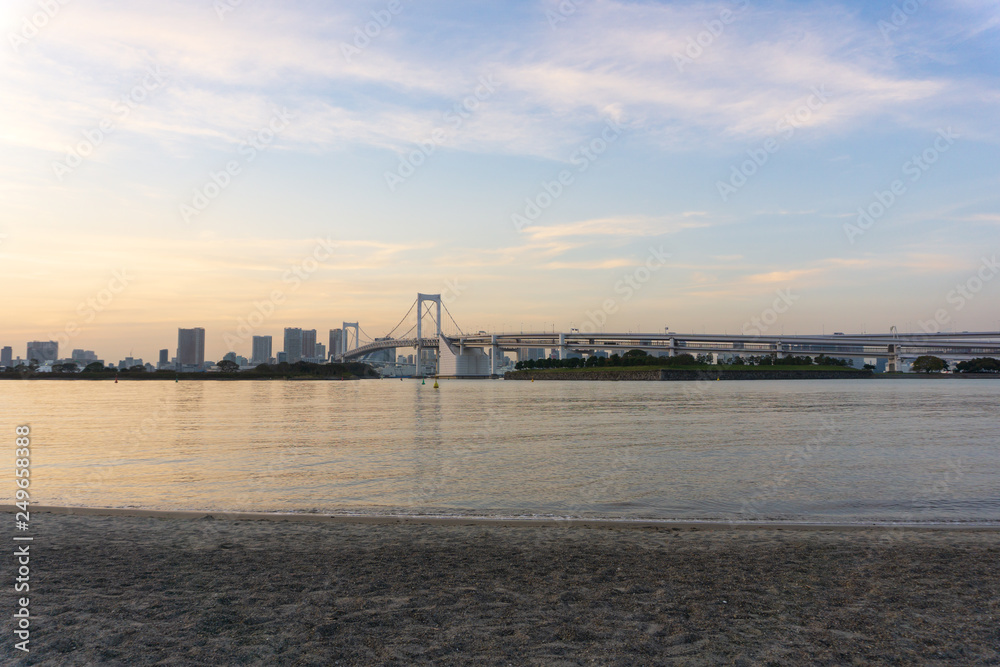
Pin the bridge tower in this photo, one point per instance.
(893, 365)
(345, 342)
(431, 299)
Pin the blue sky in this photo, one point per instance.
(115, 117)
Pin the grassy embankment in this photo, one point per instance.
(348, 371)
(696, 367)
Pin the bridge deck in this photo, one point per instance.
(963, 345)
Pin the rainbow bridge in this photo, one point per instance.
(477, 355)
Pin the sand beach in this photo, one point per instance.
(181, 589)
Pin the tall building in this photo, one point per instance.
(7, 356)
(261, 353)
(534, 353)
(321, 351)
(164, 358)
(336, 342)
(83, 355)
(308, 343)
(191, 347)
(293, 344)
(43, 350)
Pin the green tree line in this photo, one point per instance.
(641, 358)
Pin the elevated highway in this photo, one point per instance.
(895, 348)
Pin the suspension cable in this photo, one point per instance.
(403, 336)
(389, 335)
(452, 319)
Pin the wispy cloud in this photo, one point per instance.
(781, 277)
(621, 228)
(613, 58)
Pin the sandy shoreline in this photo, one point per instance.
(117, 589)
(460, 520)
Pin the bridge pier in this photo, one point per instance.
(462, 361)
(494, 353)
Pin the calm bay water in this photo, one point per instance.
(853, 450)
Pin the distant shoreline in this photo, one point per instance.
(505, 521)
(183, 377)
(684, 375)
(297, 371)
(595, 375)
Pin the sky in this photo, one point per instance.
(246, 165)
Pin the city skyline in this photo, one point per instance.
(191, 342)
(692, 164)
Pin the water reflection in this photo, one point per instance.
(844, 450)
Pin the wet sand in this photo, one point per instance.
(181, 590)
